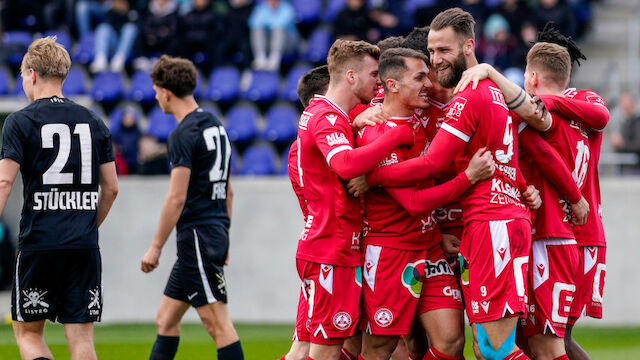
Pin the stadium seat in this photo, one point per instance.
(160, 124)
(332, 9)
(141, 89)
(107, 87)
(319, 44)
(5, 83)
(281, 124)
(410, 6)
(201, 90)
(17, 87)
(83, 52)
(212, 109)
(289, 91)
(224, 84)
(307, 11)
(16, 43)
(75, 84)
(62, 37)
(242, 123)
(259, 160)
(263, 87)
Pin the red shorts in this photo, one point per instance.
(332, 294)
(494, 280)
(440, 289)
(589, 282)
(301, 331)
(553, 264)
(392, 284)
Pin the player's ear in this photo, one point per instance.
(535, 79)
(351, 76)
(469, 47)
(392, 85)
(33, 75)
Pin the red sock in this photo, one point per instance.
(434, 354)
(562, 357)
(346, 355)
(518, 355)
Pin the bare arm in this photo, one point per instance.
(8, 172)
(108, 189)
(171, 210)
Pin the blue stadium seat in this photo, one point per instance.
(5, 84)
(242, 123)
(281, 124)
(141, 89)
(75, 84)
(259, 160)
(319, 44)
(212, 109)
(201, 90)
(289, 91)
(235, 167)
(62, 37)
(160, 124)
(107, 87)
(332, 9)
(17, 87)
(16, 44)
(307, 11)
(83, 52)
(263, 88)
(224, 84)
(410, 6)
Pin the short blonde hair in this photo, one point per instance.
(47, 58)
(552, 60)
(345, 53)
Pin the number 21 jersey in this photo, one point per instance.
(60, 146)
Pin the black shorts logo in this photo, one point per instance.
(439, 268)
(34, 302)
(94, 303)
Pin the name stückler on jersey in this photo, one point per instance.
(65, 200)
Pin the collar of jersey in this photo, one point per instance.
(330, 102)
(437, 103)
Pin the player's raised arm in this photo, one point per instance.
(8, 172)
(171, 210)
(516, 98)
(594, 114)
(108, 189)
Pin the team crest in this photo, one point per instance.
(412, 276)
(34, 301)
(342, 321)
(383, 317)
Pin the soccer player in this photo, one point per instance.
(401, 231)
(199, 206)
(329, 248)
(65, 156)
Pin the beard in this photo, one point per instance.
(451, 78)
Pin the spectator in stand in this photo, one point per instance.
(560, 13)
(22, 15)
(479, 11)
(528, 33)
(234, 46)
(354, 23)
(158, 28)
(272, 22)
(89, 12)
(497, 42)
(515, 11)
(623, 131)
(425, 14)
(117, 32)
(125, 136)
(152, 156)
(197, 28)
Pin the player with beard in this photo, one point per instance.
(401, 232)
(496, 219)
(329, 247)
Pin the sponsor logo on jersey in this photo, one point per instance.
(332, 118)
(412, 276)
(485, 306)
(456, 294)
(439, 268)
(65, 200)
(474, 307)
(389, 160)
(326, 277)
(445, 215)
(455, 109)
(304, 120)
(504, 193)
(337, 138)
(383, 317)
(595, 99)
(355, 241)
(507, 170)
(33, 302)
(498, 97)
(541, 269)
(427, 224)
(222, 284)
(342, 320)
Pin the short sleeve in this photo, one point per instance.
(12, 140)
(332, 134)
(180, 149)
(459, 119)
(106, 146)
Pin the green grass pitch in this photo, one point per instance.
(270, 342)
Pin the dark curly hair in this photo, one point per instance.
(551, 34)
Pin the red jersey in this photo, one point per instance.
(389, 223)
(294, 176)
(334, 222)
(591, 233)
(481, 119)
(571, 141)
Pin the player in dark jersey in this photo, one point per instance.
(65, 156)
(199, 206)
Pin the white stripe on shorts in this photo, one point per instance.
(18, 314)
(203, 275)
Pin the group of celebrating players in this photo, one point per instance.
(431, 184)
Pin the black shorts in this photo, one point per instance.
(59, 285)
(197, 276)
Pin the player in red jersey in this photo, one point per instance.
(400, 225)
(329, 248)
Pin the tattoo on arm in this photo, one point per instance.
(520, 99)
